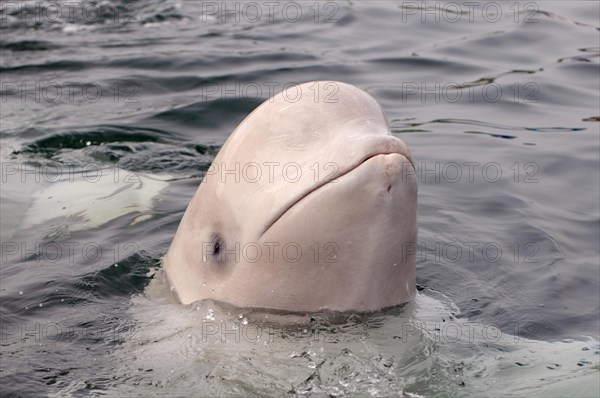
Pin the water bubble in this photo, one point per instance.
(88, 143)
(41, 305)
(20, 292)
(116, 264)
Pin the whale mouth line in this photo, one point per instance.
(303, 195)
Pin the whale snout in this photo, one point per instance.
(395, 172)
(385, 176)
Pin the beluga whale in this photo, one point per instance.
(310, 205)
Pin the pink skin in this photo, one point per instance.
(309, 205)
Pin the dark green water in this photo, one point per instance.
(498, 103)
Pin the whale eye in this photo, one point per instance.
(217, 247)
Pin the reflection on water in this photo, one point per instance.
(498, 103)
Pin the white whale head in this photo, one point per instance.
(311, 204)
